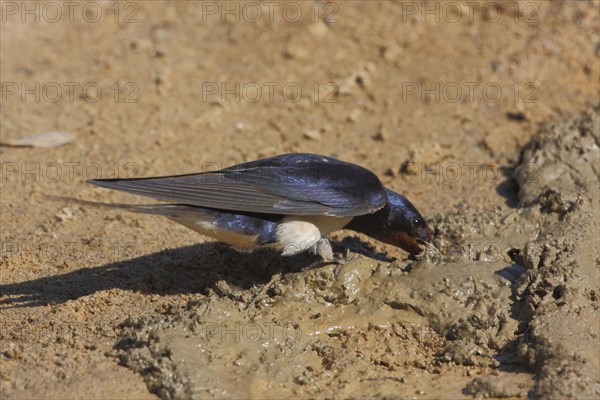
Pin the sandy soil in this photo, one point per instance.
(485, 117)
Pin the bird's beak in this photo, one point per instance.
(424, 235)
(421, 238)
(407, 242)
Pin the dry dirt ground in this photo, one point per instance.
(483, 114)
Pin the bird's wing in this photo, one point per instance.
(295, 184)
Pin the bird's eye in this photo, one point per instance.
(417, 223)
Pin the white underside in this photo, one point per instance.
(299, 233)
(294, 234)
(239, 242)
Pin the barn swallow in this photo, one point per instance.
(288, 202)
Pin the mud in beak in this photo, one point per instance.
(406, 242)
(423, 235)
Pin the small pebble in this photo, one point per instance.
(42, 140)
(354, 115)
(312, 135)
(379, 136)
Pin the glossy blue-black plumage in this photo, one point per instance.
(313, 178)
(290, 184)
(261, 225)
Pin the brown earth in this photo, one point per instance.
(104, 304)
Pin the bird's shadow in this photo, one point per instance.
(183, 270)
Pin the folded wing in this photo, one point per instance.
(294, 184)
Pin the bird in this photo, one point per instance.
(289, 202)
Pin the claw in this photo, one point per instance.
(336, 258)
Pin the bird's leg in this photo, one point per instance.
(323, 249)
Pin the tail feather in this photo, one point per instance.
(174, 211)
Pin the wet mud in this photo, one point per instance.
(504, 304)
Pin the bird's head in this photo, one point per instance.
(407, 228)
(398, 223)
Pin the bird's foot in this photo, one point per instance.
(344, 257)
